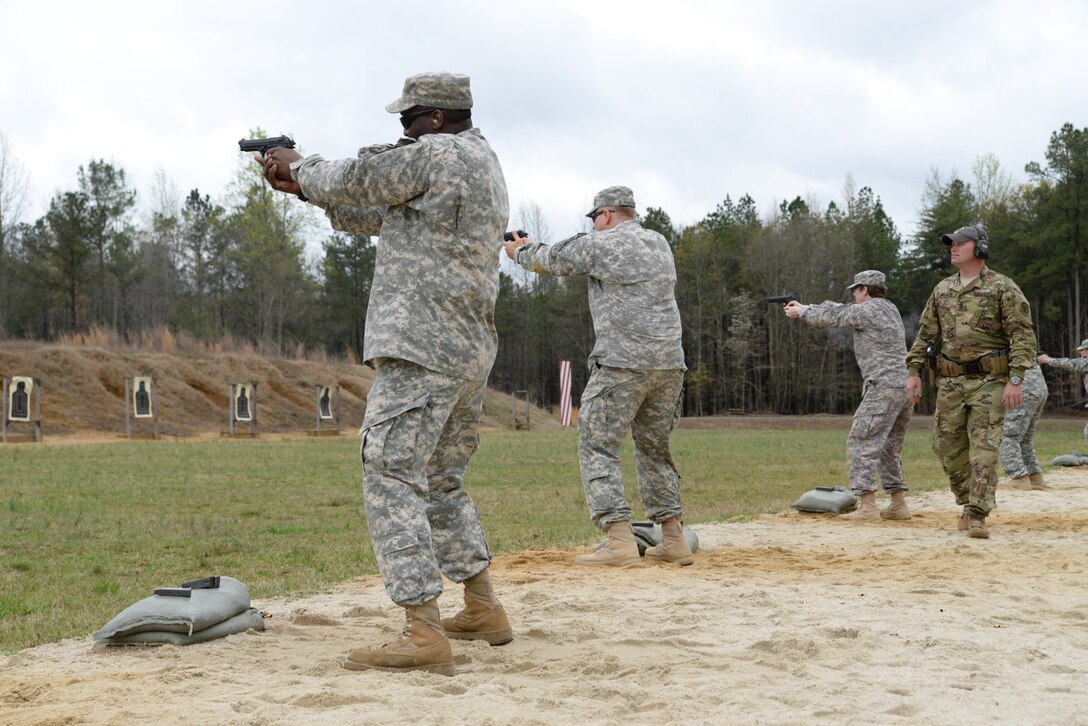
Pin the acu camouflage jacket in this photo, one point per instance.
(632, 293)
(440, 207)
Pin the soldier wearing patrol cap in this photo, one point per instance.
(1077, 365)
(977, 323)
(636, 372)
(438, 200)
(880, 424)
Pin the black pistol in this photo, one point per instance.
(203, 583)
(263, 145)
(509, 236)
(781, 299)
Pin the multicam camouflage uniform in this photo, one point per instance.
(966, 323)
(1017, 445)
(637, 364)
(880, 423)
(440, 206)
(1077, 365)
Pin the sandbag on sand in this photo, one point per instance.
(826, 500)
(183, 620)
(1074, 459)
(648, 534)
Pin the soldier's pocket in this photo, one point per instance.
(598, 395)
(996, 428)
(870, 417)
(987, 317)
(677, 410)
(389, 439)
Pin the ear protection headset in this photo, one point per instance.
(982, 246)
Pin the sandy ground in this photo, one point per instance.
(784, 619)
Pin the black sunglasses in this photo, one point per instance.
(596, 213)
(407, 119)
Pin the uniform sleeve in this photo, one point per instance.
(573, 256)
(1077, 365)
(1017, 327)
(356, 220)
(830, 314)
(374, 180)
(929, 334)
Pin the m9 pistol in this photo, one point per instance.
(781, 299)
(263, 145)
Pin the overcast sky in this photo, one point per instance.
(685, 102)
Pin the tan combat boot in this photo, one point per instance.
(674, 545)
(976, 527)
(965, 520)
(423, 647)
(1037, 481)
(619, 550)
(1020, 482)
(483, 617)
(866, 511)
(898, 508)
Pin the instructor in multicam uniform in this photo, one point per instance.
(977, 324)
(880, 423)
(438, 199)
(636, 372)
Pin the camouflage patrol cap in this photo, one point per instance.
(434, 90)
(869, 278)
(1083, 345)
(612, 197)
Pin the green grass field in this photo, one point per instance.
(86, 530)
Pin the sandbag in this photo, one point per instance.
(826, 500)
(648, 534)
(250, 619)
(186, 615)
(1074, 459)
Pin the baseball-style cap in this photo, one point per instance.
(963, 234)
(434, 90)
(869, 278)
(1083, 345)
(612, 197)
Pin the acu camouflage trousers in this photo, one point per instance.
(648, 403)
(419, 431)
(967, 433)
(1017, 444)
(876, 438)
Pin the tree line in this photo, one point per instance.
(237, 265)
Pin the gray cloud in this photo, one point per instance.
(686, 102)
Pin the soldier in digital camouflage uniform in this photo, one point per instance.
(1018, 445)
(636, 372)
(980, 323)
(880, 423)
(438, 201)
(1077, 365)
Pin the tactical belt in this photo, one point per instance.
(996, 362)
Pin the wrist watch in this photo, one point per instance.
(1015, 380)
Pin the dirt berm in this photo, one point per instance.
(83, 390)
